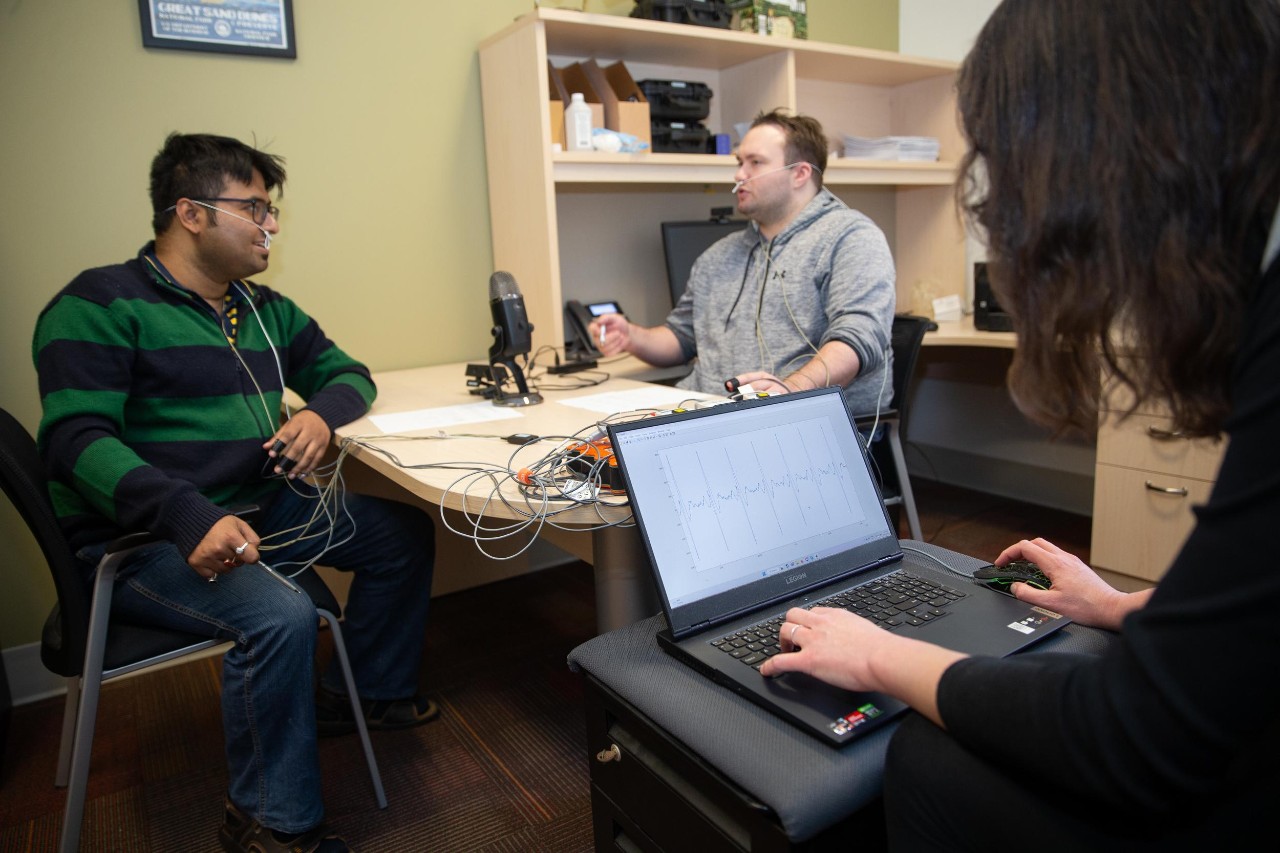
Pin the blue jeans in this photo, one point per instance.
(268, 707)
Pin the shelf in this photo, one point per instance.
(630, 39)
(647, 168)
(543, 202)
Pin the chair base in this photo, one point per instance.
(81, 710)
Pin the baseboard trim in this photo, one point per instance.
(29, 681)
(1051, 487)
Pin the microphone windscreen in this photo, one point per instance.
(502, 285)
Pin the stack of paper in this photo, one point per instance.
(891, 147)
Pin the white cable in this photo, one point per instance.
(940, 562)
(261, 396)
(270, 345)
(777, 371)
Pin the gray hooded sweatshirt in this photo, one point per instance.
(753, 304)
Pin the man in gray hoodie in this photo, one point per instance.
(803, 298)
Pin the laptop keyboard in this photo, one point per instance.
(896, 599)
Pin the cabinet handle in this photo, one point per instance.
(1180, 491)
(1163, 434)
(604, 756)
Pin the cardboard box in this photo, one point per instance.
(625, 107)
(560, 98)
(779, 18)
(573, 78)
(556, 105)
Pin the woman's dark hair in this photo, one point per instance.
(1125, 164)
(198, 165)
(806, 141)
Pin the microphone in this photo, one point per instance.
(512, 336)
(512, 332)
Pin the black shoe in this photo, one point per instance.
(240, 833)
(334, 717)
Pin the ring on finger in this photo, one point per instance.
(792, 636)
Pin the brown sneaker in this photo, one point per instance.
(240, 833)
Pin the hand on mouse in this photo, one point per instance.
(1077, 590)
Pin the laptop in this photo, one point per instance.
(750, 508)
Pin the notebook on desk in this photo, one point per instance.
(748, 509)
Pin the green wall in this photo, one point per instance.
(384, 224)
(865, 23)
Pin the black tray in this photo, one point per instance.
(703, 13)
(677, 100)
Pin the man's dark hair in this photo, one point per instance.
(198, 165)
(806, 141)
(1125, 163)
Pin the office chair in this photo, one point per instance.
(82, 644)
(907, 338)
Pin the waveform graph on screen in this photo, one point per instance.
(748, 493)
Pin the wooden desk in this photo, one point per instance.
(961, 333)
(624, 588)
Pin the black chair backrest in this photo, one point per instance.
(908, 336)
(23, 476)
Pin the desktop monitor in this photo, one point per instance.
(683, 242)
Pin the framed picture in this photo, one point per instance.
(257, 27)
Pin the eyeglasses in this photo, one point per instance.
(259, 210)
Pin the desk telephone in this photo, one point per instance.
(578, 345)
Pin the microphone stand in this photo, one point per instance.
(523, 397)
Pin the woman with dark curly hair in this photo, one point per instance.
(1125, 165)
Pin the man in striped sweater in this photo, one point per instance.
(162, 381)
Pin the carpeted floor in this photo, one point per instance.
(503, 769)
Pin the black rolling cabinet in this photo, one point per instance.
(650, 793)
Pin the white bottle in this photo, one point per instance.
(577, 124)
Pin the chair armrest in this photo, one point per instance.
(131, 540)
(249, 512)
(870, 418)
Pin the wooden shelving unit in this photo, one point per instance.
(850, 90)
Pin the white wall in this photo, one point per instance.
(941, 29)
(945, 29)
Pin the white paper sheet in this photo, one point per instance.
(654, 397)
(441, 416)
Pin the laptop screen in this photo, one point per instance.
(743, 504)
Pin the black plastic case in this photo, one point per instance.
(676, 137)
(703, 13)
(676, 100)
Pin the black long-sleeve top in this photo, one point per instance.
(1184, 710)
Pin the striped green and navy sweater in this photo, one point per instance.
(150, 420)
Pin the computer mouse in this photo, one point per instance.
(1015, 570)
